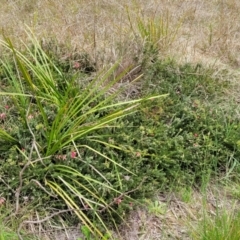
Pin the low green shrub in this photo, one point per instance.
(185, 137)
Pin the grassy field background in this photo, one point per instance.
(206, 31)
(200, 33)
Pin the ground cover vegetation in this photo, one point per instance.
(222, 226)
(85, 142)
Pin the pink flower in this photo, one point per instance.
(30, 116)
(3, 116)
(73, 154)
(7, 107)
(117, 200)
(2, 201)
(76, 65)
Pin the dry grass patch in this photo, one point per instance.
(209, 29)
(180, 218)
(170, 216)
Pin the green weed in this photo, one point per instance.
(155, 207)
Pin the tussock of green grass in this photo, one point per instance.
(223, 226)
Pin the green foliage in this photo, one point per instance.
(155, 207)
(198, 134)
(4, 234)
(66, 143)
(157, 33)
(50, 131)
(183, 138)
(224, 226)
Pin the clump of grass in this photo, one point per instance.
(223, 226)
(156, 32)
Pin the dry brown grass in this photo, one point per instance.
(210, 30)
(204, 31)
(178, 220)
(181, 218)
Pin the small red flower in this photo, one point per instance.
(195, 135)
(73, 154)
